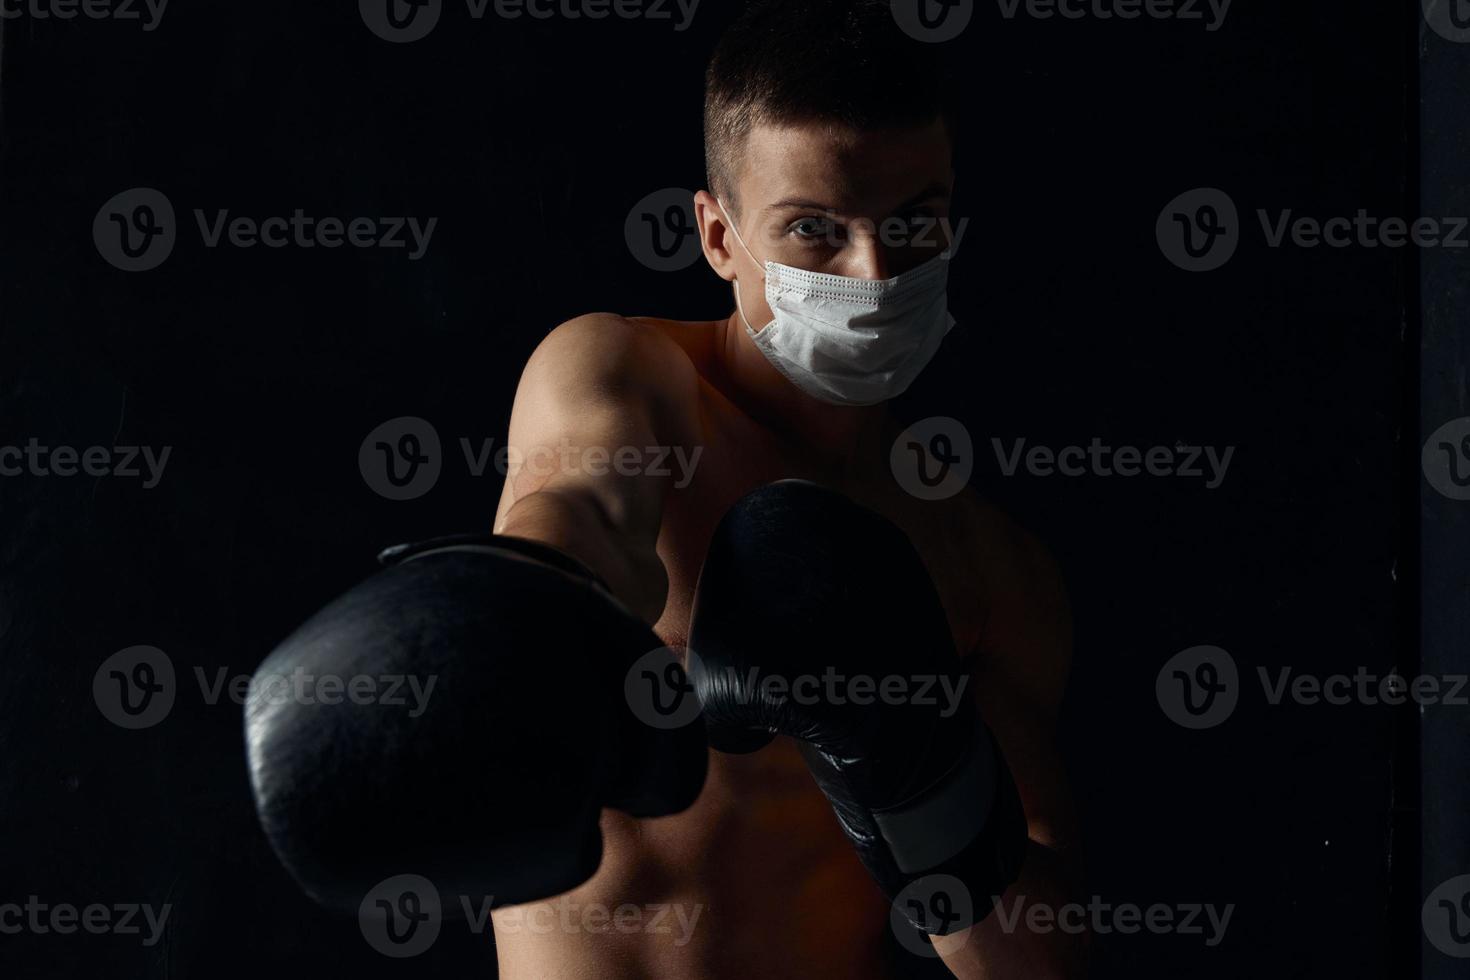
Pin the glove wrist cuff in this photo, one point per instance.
(940, 822)
(979, 838)
(526, 548)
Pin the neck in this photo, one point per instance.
(832, 435)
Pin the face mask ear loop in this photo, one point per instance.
(735, 285)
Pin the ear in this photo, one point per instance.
(714, 236)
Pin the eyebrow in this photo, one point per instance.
(932, 191)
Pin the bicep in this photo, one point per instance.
(595, 400)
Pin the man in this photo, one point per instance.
(791, 550)
(822, 127)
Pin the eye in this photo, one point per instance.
(813, 229)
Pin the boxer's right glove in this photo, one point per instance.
(800, 585)
(491, 786)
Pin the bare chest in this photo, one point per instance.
(738, 457)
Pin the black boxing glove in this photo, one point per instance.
(801, 585)
(494, 784)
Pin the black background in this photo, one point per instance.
(264, 369)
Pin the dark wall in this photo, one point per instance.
(262, 370)
(1444, 531)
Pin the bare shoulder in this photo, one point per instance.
(1028, 626)
(609, 349)
(696, 338)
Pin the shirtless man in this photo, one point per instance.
(829, 152)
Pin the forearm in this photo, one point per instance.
(574, 523)
(1006, 945)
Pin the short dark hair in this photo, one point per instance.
(829, 61)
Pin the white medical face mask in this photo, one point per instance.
(850, 341)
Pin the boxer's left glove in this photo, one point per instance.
(488, 782)
(815, 618)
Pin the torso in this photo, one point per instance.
(778, 890)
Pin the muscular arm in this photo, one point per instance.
(1021, 671)
(597, 385)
